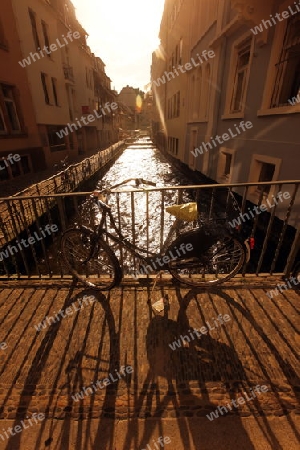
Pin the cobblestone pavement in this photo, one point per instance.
(43, 371)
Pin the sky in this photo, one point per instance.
(124, 33)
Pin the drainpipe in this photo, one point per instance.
(224, 17)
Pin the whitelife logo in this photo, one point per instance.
(243, 126)
(19, 428)
(12, 249)
(86, 120)
(265, 24)
(163, 260)
(187, 66)
(9, 160)
(259, 209)
(33, 57)
(203, 330)
(295, 100)
(240, 400)
(103, 383)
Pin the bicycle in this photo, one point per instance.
(215, 255)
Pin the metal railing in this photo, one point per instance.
(30, 250)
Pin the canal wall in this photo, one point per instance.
(17, 217)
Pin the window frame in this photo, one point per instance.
(55, 91)
(34, 29)
(277, 43)
(5, 112)
(45, 30)
(282, 67)
(254, 175)
(222, 177)
(45, 85)
(3, 41)
(231, 88)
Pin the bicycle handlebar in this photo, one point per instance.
(138, 181)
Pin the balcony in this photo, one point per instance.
(68, 73)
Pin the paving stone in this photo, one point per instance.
(43, 371)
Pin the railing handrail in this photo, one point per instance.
(161, 188)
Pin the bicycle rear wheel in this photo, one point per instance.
(212, 262)
(89, 259)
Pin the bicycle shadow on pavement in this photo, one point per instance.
(191, 365)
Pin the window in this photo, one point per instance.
(87, 76)
(2, 123)
(228, 160)
(46, 37)
(263, 168)
(193, 145)
(176, 55)
(55, 142)
(196, 93)
(10, 111)
(15, 170)
(54, 88)
(266, 174)
(206, 91)
(178, 104)
(225, 165)
(180, 51)
(34, 29)
(25, 164)
(4, 174)
(3, 41)
(174, 104)
(287, 81)
(45, 88)
(240, 78)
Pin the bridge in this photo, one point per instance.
(65, 349)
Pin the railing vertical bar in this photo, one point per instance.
(211, 206)
(6, 237)
(133, 226)
(147, 219)
(284, 228)
(62, 212)
(293, 253)
(76, 208)
(266, 239)
(32, 247)
(16, 235)
(119, 224)
(42, 241)
(255, 223)
(180, 200)
(162, 220)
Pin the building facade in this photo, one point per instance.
(19, 133)
(66, 82)
(241, 98)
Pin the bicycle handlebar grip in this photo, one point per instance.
(139, 181)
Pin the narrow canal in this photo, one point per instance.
(140, 160)
(143, 160)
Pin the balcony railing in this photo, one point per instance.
(141, 215)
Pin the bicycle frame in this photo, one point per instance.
(119, 239)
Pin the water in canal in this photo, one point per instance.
(143, 160)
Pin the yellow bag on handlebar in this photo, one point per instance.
(186, 211)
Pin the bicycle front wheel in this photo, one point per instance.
(89, 259)
(211, 264)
